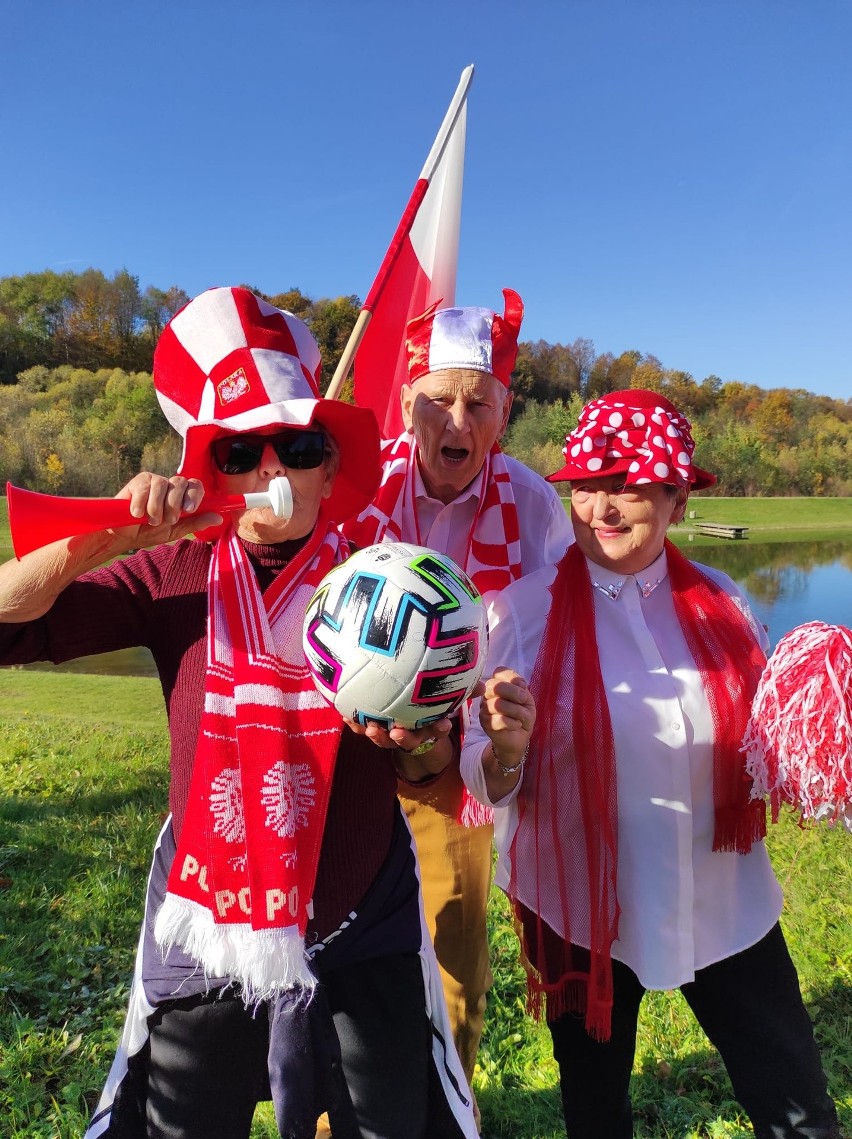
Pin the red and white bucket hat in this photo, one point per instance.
(475, 338)
(637, 433)
(231, 363)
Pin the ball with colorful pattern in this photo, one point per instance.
(396, 635)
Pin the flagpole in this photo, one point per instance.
(405, 224)
(453, 112)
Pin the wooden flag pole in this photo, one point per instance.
(406, 222)
(345, 361)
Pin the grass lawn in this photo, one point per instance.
(83, 766)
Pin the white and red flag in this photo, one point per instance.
(418, 269)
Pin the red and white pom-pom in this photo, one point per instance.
(798, 742)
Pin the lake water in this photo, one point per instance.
(787, 584)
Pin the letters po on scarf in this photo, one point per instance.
(240, 888)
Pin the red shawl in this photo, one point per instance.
(572, 771)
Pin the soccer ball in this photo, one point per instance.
(396, 635)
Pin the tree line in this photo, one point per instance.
(78, 413)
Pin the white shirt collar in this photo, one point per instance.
(420, 490)
(611, 584)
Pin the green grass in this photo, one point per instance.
(774, 513)
(81, 804)
(5, 538)
(680, 1089)
(83, 767)
(770, 520)
(135, 701)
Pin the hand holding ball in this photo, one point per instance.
(396, 635)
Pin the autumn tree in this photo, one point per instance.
(158, 306)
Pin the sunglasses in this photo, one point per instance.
(299, 450)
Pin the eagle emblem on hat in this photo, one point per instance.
(233, 386)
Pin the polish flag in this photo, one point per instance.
(419, 268)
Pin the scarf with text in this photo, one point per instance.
(571, 773)
(240, 888)
(493, 548)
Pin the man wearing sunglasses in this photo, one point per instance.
(446, 484)
(282, 954)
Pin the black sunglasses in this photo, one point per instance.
(299, 450)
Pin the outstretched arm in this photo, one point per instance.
(30, 585)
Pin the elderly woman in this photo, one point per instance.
(281, 950)
(628, 842)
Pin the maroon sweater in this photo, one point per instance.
(158, 598)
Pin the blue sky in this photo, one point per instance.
(671, 176)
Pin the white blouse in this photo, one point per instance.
(683, 906)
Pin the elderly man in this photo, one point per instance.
(447, 484)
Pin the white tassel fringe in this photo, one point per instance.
(265, 962)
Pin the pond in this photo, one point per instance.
(787, 583)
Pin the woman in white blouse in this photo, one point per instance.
(629, 844)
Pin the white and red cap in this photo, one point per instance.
(230, 362)
(475, 338)
(637, 433)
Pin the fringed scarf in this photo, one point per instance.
(571, 775)
(240, 888)
(493, 549)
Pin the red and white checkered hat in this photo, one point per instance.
(229, 362)
(475, 338)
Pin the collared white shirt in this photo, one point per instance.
(545, 528)
(683, 907)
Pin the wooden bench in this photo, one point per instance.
(721, 529)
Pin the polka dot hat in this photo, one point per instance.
(634, 432)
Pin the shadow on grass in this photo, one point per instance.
(72, 877)
(687, 1094)
(146, 789)
(149, 792)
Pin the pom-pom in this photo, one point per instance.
(798, 742)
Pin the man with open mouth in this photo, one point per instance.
(446, 484)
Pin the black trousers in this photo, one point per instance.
(207, 1064)
(751, 1008)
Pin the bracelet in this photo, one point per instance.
(515, 766)
(421, 749)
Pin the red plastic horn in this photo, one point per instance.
(38, 519)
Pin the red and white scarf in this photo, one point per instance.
(571, 772)
(240, 888)
(493, 547)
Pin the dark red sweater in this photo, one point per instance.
(158, 598)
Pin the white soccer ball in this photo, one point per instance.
(396, 634)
